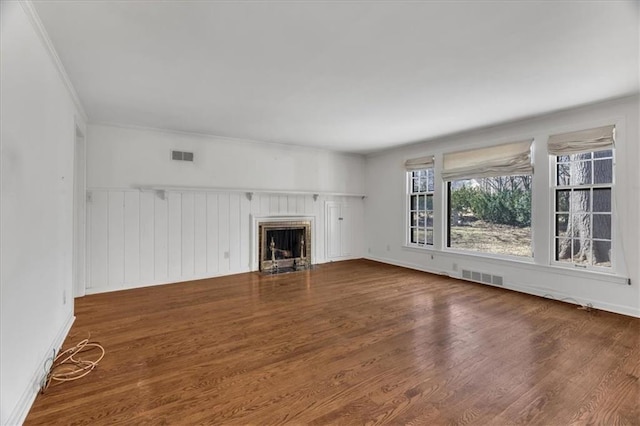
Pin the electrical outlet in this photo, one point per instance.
(64, 297)
(388, 247)
(431, 257)
(454, 267)
(369, 250)
(226, 254)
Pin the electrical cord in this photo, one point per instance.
(68, 365)
(584, 307)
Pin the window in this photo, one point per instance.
(489, 199)
(491, 215)
(583, 222)
(420, 184)
(583, 188)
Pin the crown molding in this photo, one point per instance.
(31, 12)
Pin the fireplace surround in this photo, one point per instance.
(284, 244)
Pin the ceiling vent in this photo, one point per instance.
(182, 156)
(482, 277)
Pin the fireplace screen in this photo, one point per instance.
(284, 245)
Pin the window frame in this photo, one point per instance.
(409, 193)
(554, 188)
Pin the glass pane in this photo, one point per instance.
(414, 235)
(414, 184)
(490, 215)
(563, 175)
(581, 251)
(430, 181)
(430, 219)
(562, 222)
(423, 184)
(562, 200)
(421, 202)
(602, 226)
(602, 200)
(429, 202)
(414, 218)
(421, 236)
(414, 202)
(602, 253)
(563, 158)
(421, 219)
(603, 154)
(581, 173)
(603, 171)
(582, 156)
(581, 224)
(581, 200)
(429, 237)
(563, 249)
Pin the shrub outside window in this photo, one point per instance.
(491, 215)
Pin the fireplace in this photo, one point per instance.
(284, 245)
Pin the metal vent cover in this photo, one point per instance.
(181, 156)
(482, 277)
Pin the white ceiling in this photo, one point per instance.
(351, 76)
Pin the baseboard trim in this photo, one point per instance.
(20, 411)
(540, 292)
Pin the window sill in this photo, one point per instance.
(524, 263)
(418, 249)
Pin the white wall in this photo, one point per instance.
(37, 136)
(138, 238)
(385, 209)
(121, 157)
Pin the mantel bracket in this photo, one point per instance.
(161, 193)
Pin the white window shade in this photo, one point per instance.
(582, 141)
(419, 163)
(501, 160)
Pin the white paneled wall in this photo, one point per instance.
(136, 238)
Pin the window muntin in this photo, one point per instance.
(583, 209)
(420, 203)
(491, 215)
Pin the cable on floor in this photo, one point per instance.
(74, 363)
(584, 307)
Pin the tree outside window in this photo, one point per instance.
(583, 208)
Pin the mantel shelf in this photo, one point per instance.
(162, 189)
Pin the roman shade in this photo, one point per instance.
(419, 163)
(582, 141)
(500, 160)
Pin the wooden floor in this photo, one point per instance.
(347, 343)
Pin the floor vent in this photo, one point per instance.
(482, 277)
(182, 156)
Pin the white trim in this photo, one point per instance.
(541, 292)
(20, 411)
(245, 190)
(32, 14)
(79, 269)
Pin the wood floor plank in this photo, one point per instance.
(355, 342)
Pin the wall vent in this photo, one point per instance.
(482, 277)
(182, 156)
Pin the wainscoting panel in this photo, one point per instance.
(140, 238)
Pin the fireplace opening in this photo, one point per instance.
(284, 246)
